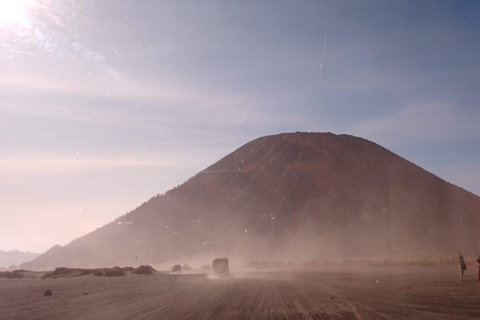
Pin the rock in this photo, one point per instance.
(48, 293)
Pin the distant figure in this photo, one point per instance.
(478, 262)
(461, 265)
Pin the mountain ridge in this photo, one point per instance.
(291, 195)
(15, 257)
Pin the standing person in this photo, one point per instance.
(478, 262)
(461, 265)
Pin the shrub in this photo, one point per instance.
(61, 271)
(98, 273)
(85, 272)
(11, 275)
(114, 272)
(144, 270)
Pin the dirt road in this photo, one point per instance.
(411, 293)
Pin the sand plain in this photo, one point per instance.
(340, 293)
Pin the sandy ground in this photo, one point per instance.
(348, 293)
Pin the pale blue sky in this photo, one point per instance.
(106, 103)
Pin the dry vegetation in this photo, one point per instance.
(99, 272)
(17, 274)
(144, 270)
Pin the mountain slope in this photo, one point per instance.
(290, 196)
(15, 257)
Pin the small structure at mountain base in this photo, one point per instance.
(220, 267)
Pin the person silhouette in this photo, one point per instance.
(478, 263)
(461, 265)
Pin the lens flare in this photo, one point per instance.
(15, 11)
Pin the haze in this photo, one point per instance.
(104, 104)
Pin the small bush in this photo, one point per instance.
(11, 275)
(114, 272)
(98, 273)
(85, 272)
(144, 270)
(61, 271)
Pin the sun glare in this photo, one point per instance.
(15, 11)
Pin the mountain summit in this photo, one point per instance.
(290, 196)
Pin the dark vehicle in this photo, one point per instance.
(220, 266)
(176, 269)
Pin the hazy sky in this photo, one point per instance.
(105, 103)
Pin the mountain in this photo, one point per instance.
(290, 196)
(15, 257)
